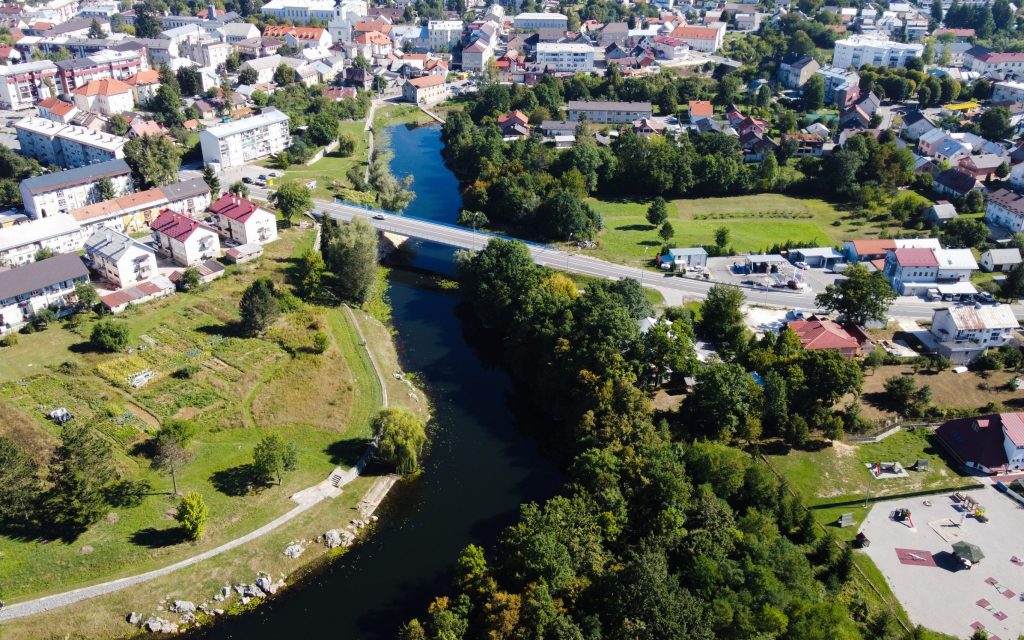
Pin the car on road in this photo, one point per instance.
(263, 176)
(379, 216)
(801, 265)
(247, 180)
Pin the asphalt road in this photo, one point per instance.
(672, 287)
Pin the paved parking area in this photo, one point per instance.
(920, 568)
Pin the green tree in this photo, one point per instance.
(118, 125)
(1012, 287)
(19, 483)
(472, 219)
(964, 233)
(995, 123)
(292, 199)
(272, 457)
(192, 514)
(284, 75)
(323, 128)
(351, 255)
(212, 181)
(105, 189)
(168, 106)
(666, 232)
(657, 213)
(239, 189)
(400, 438)
(248, 76)
(155, 160)
(96, 31)
(936, 11)
(259, 307)
(814, 93)
(720, 401)
(87, 296)
(81, 467)
(170, 448)
(768, 172)
(346, 146)
(721, 318)
(861, 296)
(43, 254)
(109, 336)
(311, 272)
(191, 279)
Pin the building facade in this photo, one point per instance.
(857, 51)
(242, 221)
(57, 193)
(538, 21)
(566, 57)
(233, 144)
(1006, 209)
(66, 146)
(118, 259)
(608, 111)
(22, 85)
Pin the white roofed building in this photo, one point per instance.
(236, 143)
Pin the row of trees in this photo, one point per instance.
(661, 531)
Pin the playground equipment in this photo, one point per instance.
(903, 515)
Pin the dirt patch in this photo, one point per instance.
(842, 449)
(666, 401)
(23, 430)
(949, 390)
(186, 413)
(311, 389)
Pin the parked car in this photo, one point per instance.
(801, 265)
(247, 180)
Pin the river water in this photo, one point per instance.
(479, 469)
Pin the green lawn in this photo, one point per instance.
(329, 172)
(755, 222)
(239, 389)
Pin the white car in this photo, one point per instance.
(380, 216)
(801, 265)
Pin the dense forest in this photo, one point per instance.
(665, 529)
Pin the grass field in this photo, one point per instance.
(755, 223)
(238, 389)
(949, 390)
(329, 172)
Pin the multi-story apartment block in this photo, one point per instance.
(608, 111)
(236, 143)
(108, 63)
(987, 62)
(36, 286)
(1006, 209)
(1008, 91)
(106, 97)
(538, 21)
(300, 11)
(566, 57)
(21, 85)
(62, 192)
(443, 33)
(119, 259)
(67, 146)
(19, 244)
(857, 51)
(842, 86)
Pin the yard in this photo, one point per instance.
(755, 223)
(950, 390)
(236, 389)
(329, 172)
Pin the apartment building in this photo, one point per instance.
(425, 90)
(105, 97)
(185, 240)
(566, 57)
(236, 143)
(859, 50)
(119, 259)
(66, 146)
(602, 111)
(21, 85)
(300, 11)
(965, 332)
(708, 38)
(39, 285)
(20, 243)
(1008, 91)
(108, 63)
(62, 192)
(1006, 209)
(987, 62)
(243, 221)
(443, 33)
(538, 21)
(796, 69)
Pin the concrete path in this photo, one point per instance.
(306, 499)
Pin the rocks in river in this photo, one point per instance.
(293, 550)
(183, 606)
(245, 600)
(218, 612)
(263, 582)
(134, 618)
(332, 539)
(219, 598)
(225, 592)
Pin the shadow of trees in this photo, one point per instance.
(154, 538)
(346, 453)
(236, 481)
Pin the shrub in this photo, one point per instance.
(320, 342)
(193, 514)
(109, 336)
(9, 340)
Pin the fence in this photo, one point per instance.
(319, 155)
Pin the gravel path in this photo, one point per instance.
(307, 498)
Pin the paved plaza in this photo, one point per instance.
(936, 592)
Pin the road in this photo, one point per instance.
(673, 288)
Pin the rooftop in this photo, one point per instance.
(915, 257)
(20, 235)
(269, 116)
(74, 177)
(41, 274)
(986, 316)
(177, 226)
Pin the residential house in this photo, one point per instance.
(239, 31)
(1006, 209)
(264, 67)
(982, 166)
(756, 146)
(56, 110)
(426, 90)
(258, 47)
(233, 144)
(63, 191)
(119, 259)
(706, 39)
(842, 86)
(796, 69)
(300, 37)
(1000, 259)
(964, 332)
(823, 334)
(538, 21)
(992, 443)
(805, 144)
(242, 221)
(954, 182)
(700, 109)
(30, 288)
(476, 55)
(185, 240)
(908, 269)
(107, 97)
(940, 213)
(669, 48)
(601, 111)
(144, 85)
(20, 243)
(916, 124)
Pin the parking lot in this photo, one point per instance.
(918, 563)
(725, 270)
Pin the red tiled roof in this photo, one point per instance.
(178, 226)
(1013, 424)
(299, 33)
(104, 87)
(149, 76)
(701, 108)
(823, 334)
(871, 247)
(916, 258)
(426, 81)
(695, 33)
(234, 207)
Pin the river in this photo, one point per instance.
(478, 471)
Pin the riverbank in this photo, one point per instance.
(105, 616)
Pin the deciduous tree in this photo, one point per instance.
(861, 296)
(400, 438)
(193, 515)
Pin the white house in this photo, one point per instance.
(444, 33)
(20, 243)
(707, 38)
(40, 285)
(243, 221)
(476, 55)
(119, 259)
(426, 90)
(965, 332)
(1000, 259)
(264, 67)
(538, 21)
(569, 57)
(1006, 209)
(185, 240)
(859, 50)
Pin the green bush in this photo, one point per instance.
(109, 336)
(9, 340)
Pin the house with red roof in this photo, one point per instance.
(817, 334)
(144, 85)
(992, 443)
(701, 109)
(243, 221)
(56, 110)
(184, 240)
(106, 96)
(300, 37)
(913, 265)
